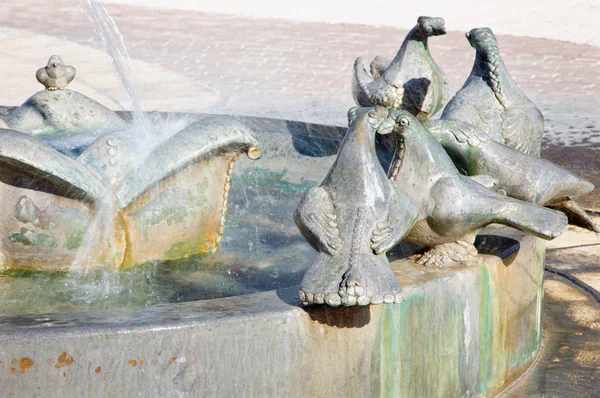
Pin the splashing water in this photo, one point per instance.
(96, 236)
(114, 46)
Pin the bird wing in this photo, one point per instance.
(462, 132)
(69, 73)
(41, 75)
(522, 128)
(401, 217)
(316, 218)
(360, 81)
(470, 112)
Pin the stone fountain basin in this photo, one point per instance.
(462, 331)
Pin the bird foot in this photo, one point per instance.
(450, 255)
(359, 285)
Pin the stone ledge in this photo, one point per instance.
(469, 331)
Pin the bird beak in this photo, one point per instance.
(387, 126)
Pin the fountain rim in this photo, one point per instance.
(182, 314)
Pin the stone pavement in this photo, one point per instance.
(276, 68)
(574, 20)
(569, 362)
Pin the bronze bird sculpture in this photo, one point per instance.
(55, 75)
(352, 219)
(514, 173)
(412, 81)
(491, 101)
(453, 208)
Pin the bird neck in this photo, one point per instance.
(423, 157)
(357, 166)
(490, 68)
(414, 44)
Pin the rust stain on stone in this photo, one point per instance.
(13, 370)
(25, 364)
(142, 360)
(64, 360)
(65, 374)
(132, 362)
(173, 359)
(159, 353)
(98, 369)
(14, 361)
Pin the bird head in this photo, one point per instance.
(431, 26)
(405, 123)
(482, 40)
(55, 67)
(371, 119)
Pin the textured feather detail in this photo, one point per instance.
(463, 132)
(316, 218)
(469, 112)
(521, 127)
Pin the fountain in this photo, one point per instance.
(171, 266)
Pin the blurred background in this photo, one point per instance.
(574, 21)
(294, 60)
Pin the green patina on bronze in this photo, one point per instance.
(485, 330)
(69, 222)
(29, 237)
(479, 330)
(188, 247)
(75, 224)
(442, 352)
(171, 206)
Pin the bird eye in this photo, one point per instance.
(404, 122)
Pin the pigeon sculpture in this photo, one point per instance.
(55, 75)
(412, 81)
(352, 219)
(514, 173)
(453, 208)
(491, 101)
(60, 111)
